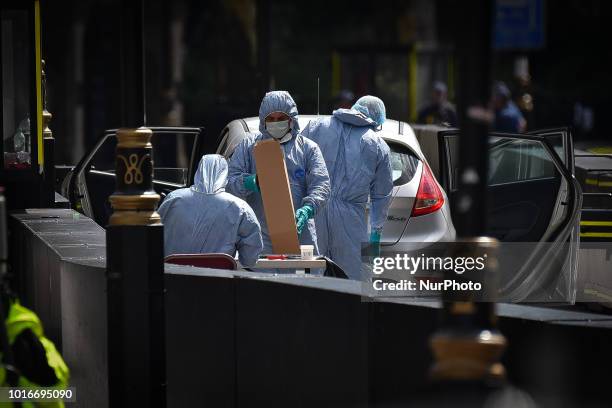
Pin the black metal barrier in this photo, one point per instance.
(58, 259)
(240, 339)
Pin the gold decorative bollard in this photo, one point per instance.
(135, 279)
(134, 201)
(47, 133)
(48, 186)
(46, 119)
(468, 345)
(468, 357)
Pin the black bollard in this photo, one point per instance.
(467, 346)
(135, 279)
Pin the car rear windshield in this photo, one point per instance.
(404, 163)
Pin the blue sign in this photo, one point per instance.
(518, 24)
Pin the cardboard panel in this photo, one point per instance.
(276, 194)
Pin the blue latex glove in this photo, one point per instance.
(302, 215)
(251, 184)
(375, 242)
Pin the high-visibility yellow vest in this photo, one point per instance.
(19, 319)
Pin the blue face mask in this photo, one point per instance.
(278, 129)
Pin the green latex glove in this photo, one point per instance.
(302, 215)
(375, 242)
(251, 183)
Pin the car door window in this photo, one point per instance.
(104, 157)
(515, 160)
(510, 160)
(174, 153)
(561, 142)
(556, 142)
(171, 157)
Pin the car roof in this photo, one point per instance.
(392, 131)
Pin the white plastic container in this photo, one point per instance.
(307, 251)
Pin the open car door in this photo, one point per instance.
(560, 139)
(175, 156)
(533, 200)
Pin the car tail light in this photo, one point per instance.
(429, 197)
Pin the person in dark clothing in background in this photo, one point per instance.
(440, 110)
(508, 117)
(343, 100)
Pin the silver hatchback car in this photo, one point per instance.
(419, 213)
